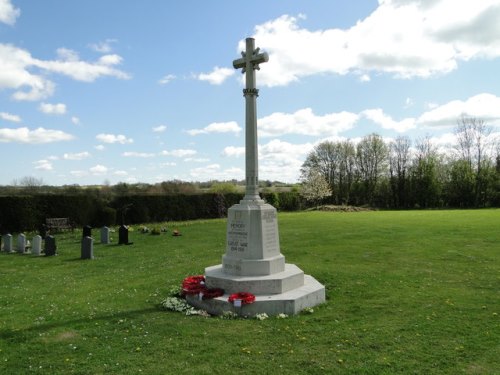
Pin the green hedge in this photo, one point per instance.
(27, 213)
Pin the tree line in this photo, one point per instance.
(403, 174)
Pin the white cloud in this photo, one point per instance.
(120, 173)
(197, 160)
(232, 151)
(111, 138)
(365, 78)
(98, 169)
(37, 136)
(305, 122)
(8, 13)
(378, 116)
(483, 106)
(168, 164)
(43, 165)
(53, 109)
(217, 127)
(217, 76)
(75, 120)
(160, 128)
(137, 154)
(103, 47)
(167, 79)
(76, 156)
(180, 153)
(79, 173)
(100, 147)
(404, 38)
(16, 65)
(9, 117)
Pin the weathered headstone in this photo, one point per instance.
(50, 246)
(105, 235)
(123, 235)
(87, 249)
(21, 243)
(7, 243)
(253, 262)
(36, 247)
(87, 231)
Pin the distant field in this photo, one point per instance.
(408, 292)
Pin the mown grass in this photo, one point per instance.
(407, 293)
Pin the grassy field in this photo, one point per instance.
(407, 293)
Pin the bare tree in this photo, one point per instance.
(371, 158)
(399, 163)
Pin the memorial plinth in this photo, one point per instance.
(253, 262)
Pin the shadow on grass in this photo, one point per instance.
(25, 334)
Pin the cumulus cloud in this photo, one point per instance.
(75, 120)
(137, 154)
(9, 117)
(217, 76)
(484, 106)
(16, 67)
(120, 173)
(305, 122)
(217, 127)
(98, 170)
(159, 129)
(179, 153)
(112, 138)
(43, 165)
(37, 136)
(232, 151)
(76, 156)
(53, 109)
(404, 38)
(8, 14)
(378, 116)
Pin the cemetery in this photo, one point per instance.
(406, 292)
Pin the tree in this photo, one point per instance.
(472, 146)
(315, 187)
(371, 159)
(399, 162)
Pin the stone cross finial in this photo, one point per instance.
(249, 62)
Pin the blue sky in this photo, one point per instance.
(144, 91)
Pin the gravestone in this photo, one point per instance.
(123, 235)
(7, 243)
(87, 249)
(105, 235)
(42, 231)
(253, 262)
(87, 231)
(50, 246)
(36, 248)
(21, 243)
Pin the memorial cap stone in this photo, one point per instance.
(87, 231)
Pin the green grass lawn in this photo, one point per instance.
(413, 292)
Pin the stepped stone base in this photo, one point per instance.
(291, 302)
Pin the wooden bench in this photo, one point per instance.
(59, 224)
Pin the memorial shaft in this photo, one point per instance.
(251, 58)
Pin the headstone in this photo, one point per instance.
(253, 262)
(123, 235)
(7, 243)
(87, 249)
(105, 235)
(21, 243)
(36, 248)
(42, 231)
(87, 231)
(50, 246)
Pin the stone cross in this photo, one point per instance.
(249, 62)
